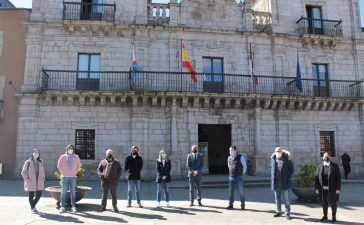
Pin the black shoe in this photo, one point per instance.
(116, 209)
(243, 207)
(333, 220)
(199, 203)
(102, 208)
(230, 207)
(191, 203)
(288, 217)
(277, 214)
(323, 219)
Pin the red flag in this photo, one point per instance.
(186, 63)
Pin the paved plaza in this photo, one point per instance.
(14, 207)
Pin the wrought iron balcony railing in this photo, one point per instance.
(319, 27)
(115, 81)
(89, 11)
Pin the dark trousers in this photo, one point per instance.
(106, 186)
(33, 201)
(195, 180)
(346, 170)
(325, 204)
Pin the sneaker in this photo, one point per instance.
(288, 217)
(191, 203)
(128, 205)
(116, 209)
(199, 203)
(323, 219)
(32, 211)
(62, 210)
(102, 208)
(139, 205)
(74, 209)
(158, 204)
(242, 207)
(35, 209)
(277, 214)
(168, 205)
(333, 220)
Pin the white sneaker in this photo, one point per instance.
(74, 209)
(62, 210)
(35, 210)
(158, 204)
(168, 205)
(32, 211)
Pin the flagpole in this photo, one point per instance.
(181, 64)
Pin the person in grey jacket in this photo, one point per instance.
(194, 165)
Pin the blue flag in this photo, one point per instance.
(298, 75)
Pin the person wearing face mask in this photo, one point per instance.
(133, 166)
(194, 165)
(163, 167)
(328, 185)
(237, 169)
(34, 176)
(68, 165)
(281, 173)
(109, 171)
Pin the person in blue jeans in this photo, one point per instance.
(133, 166)
(163, 167)
(281, 173)
(237, 169)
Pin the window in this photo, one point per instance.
(320, 80)
(314, 19)
(213, 74)
(327, 143)
(361, 4)
(85, 144)
(1, 42)
(88, 71)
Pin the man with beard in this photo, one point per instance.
(133, 166)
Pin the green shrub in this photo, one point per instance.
(306, 176)
(79, 175)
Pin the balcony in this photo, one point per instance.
(158, 14)
(124, 81)
(89, 11)
(319, 27)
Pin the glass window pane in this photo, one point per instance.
(95, 66)
(206, 68)
(217, 63)
(322, 75)
(97, 8)
(83, 65)
(317, 16)
(314, 75)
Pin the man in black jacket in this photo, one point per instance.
(109, 171)
(345, 159)
(328, 185)
(133, 166)
(194, 165)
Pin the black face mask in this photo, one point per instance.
(134, 153)
(194, 151)
(109, 156)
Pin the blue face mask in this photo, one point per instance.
(36, 155)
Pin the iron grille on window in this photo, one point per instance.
(85, 144)
(327, 143)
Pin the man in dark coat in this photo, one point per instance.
(109, 171)
(194, 166)
(281, 173)
(345, 159)
(133, 166)
(328, 185)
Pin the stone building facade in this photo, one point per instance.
(79, 88)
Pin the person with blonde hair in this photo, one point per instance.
(34, 176)
(68, 165)
(133, 167)
(163, 167)
(109, 171)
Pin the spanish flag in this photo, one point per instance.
(186, 63)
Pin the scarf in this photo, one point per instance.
(70, 160)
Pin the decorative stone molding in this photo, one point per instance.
(312, 40)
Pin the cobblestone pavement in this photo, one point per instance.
(14, 207)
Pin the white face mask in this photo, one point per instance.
(232, 153)
(70, 152)
(278, 155)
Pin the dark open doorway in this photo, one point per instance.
(217, 139)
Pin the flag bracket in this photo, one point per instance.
(289, 83)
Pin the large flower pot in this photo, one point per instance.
(55, 192)
(305, 193)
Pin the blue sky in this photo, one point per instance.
(28, 4)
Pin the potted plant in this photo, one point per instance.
(55, 191)
(304, 187)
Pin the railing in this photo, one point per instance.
(181, 82)
(261, 19)
(89, 11)
(158, 14)
(319, 27)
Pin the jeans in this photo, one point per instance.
(136, 184)
(105, 191)
(236, 180)
(277, 194)
(33, 201)
(71, 183)
(195, 180)
(161, 186)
